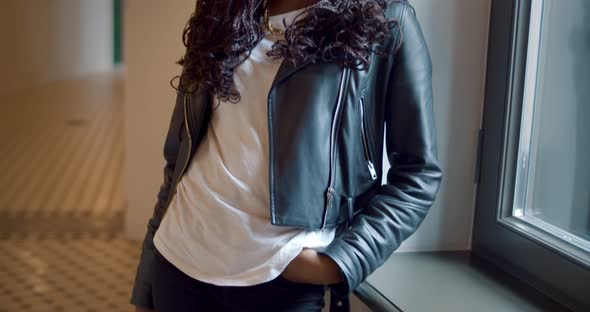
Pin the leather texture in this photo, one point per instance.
(326, 131)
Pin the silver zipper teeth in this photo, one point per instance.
(330, 191)
(368, 158)
(190, 144)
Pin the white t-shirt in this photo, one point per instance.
(218, 227)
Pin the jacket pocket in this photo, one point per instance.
(370, 165)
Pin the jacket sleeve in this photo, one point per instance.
(142, 289)
(401, 204)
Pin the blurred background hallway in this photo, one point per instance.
(63, 195)
(62, 150)
(81, 145)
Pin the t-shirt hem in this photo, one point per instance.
(226, 280)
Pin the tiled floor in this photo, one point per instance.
(66, 274)
(63, 149)
(62, 199)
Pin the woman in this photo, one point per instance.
(272, 186)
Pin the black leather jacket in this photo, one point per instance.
(326, 127)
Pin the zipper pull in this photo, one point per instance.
(329, 201)
(329, 197)
(372, 169)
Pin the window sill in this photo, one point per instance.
(447, 281)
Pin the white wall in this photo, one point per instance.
(44, 41)
(153, 42)
(456, 31)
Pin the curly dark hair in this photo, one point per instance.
(220, 34)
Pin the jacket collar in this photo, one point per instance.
(286, 69)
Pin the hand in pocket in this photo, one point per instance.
(311, 267)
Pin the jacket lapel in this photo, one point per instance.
(286, 69)
(202, 96)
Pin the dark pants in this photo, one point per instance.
(174, 291)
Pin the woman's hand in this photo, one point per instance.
(312, 267)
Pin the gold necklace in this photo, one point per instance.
(267, 21)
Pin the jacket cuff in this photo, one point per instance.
(337, 251)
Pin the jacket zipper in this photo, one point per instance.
(190, 144)
(368, 157)
(331, 190)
